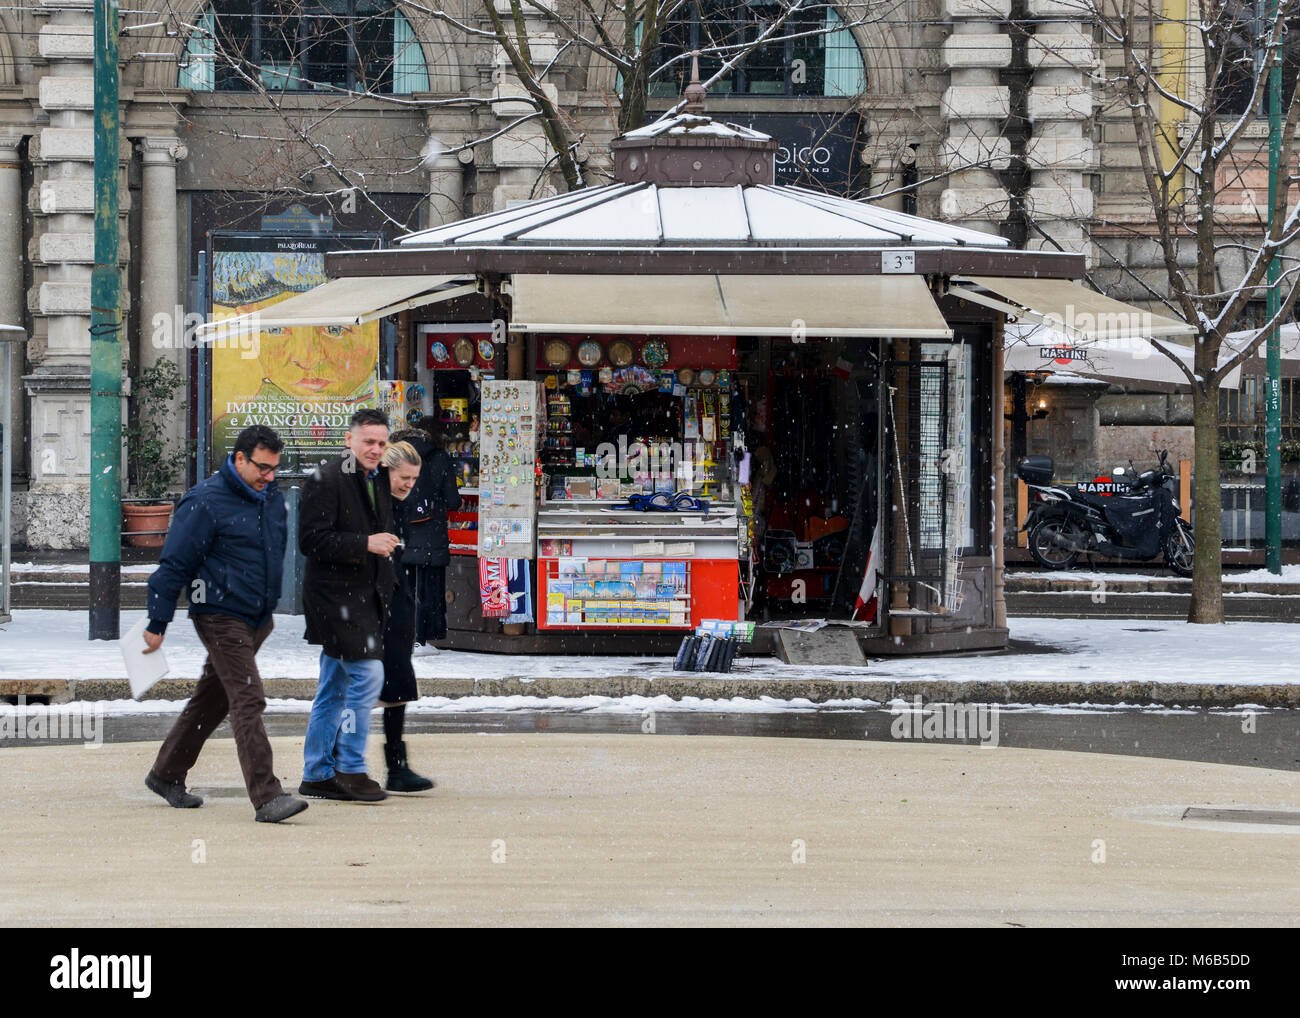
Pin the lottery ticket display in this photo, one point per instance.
(511, 420)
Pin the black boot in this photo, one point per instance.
(400, 777)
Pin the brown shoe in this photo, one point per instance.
(330, 788)
(361, 786)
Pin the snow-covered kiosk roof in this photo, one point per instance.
(691, 181)
(691, 232)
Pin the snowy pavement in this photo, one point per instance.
(1254, 577)
(52, 645)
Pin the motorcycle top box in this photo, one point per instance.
(1035, 469)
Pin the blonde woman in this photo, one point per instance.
(403, 465)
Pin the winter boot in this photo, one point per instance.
(282, 807)
(173, 791)
(400, 777)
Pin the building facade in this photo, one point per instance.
(373, 119)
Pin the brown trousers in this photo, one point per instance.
(230, 684)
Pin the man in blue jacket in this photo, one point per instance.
(225, 549)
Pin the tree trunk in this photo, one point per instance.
(631, 110)
(1207, 576)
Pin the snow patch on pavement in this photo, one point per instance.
(47, 644)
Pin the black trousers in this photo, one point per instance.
(431, 604)
(399, 641)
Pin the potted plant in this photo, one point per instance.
(153, 466)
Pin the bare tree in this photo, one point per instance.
(1201, 166)
(647, 42)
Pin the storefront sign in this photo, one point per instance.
(1063, 355)
(816, 150)
(1102, 486)
(304, 382)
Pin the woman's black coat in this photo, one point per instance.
(435, 494)
(346, 589)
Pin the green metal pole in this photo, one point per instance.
(105, 344)
(1273, 383)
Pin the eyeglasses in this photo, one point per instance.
(264, 469)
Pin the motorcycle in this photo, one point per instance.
(1138, 524)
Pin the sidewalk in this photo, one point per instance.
(1050, 661)
(633, 830)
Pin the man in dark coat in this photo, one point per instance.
(225, 549)
(345, 530)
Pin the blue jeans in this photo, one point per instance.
(340, 717)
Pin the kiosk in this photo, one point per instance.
(743, 401)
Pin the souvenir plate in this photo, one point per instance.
(706, 376)
(463, 351)
(485, 350)
(438, 351)
(589, 353)
(686, 376)
(556, 353)
(621, 353)
(654, 354)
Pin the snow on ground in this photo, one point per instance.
(1290, 574)
(642, 705)
(45, 644)
(74, 567)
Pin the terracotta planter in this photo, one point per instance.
(137, 518)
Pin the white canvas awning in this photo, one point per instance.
(712, 304)
(352, 300)
(1288, 342)
(1069, 308)
(1041, 349)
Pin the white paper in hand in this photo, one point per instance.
(142, 670)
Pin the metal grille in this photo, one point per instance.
(917, 488)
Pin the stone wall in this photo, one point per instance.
(18, 519)
(1120, 443)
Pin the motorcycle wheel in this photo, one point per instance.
(1047, 554)
(1180, 548)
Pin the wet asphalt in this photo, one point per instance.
(1259, 738)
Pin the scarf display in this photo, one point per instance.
(505, 588)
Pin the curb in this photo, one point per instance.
(1171, 694)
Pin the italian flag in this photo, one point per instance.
(868, 601)
(844, 365)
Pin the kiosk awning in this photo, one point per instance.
(1036, 348)
(895, 305)
(351, 300)
(1069, 307)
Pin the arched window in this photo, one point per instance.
(813, 53)
(304, 46)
